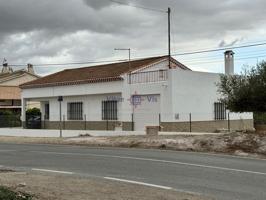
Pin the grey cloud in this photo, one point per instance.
(74, 30)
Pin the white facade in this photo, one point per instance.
(171, 99)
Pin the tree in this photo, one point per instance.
(245, 92)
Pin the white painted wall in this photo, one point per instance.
(92, 106)
(73, 90)
(195, 92)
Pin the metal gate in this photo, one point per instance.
(34, 121)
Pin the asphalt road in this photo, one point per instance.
(220, 176)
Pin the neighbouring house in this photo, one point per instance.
(10, 93)
(133, 95)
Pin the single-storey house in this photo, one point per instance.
(132, 95)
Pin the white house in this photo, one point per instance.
(131, 96)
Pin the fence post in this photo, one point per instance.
(64, 122)
(159, 121)
(132, 122)
(228, 121)
(190, 128)
(85, 120)
(44, 118)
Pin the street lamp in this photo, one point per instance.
(60, 99)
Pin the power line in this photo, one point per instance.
(121, 60)
(222, 61)
(72, 63)
(137, 6)
(204, 58)
(219, 49)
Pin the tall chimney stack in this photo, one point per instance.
(6, 68)
(30, 68)
(229, 62)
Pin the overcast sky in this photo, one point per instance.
(59, 31)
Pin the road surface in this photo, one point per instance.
(220, 176)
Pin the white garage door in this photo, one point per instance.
(146, 111)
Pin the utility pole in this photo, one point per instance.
(129, 59)
(169, 37)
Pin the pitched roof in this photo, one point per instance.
(10, 92)
(9, 76)
(99, 73)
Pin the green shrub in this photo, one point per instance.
(260, 118)
(7, 194)
(33, 111)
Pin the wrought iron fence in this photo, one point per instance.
(149, 76)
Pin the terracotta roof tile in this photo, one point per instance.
(100, 73)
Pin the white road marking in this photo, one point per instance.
(157, 160)
(52, 171)
(6, 150)
(138, 183)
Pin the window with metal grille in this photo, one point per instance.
(46, 111)
(109, 110)
(75, 111)
(219, 111)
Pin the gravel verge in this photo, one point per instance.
(59, 187)
(243, 144)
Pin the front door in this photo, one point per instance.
(146, 111)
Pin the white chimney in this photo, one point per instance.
(229, 62)
(30, 69)
(6, 68)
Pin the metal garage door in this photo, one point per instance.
(146, 111)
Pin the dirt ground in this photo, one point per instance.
(59, 187)
(243, 144)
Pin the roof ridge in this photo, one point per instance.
(113, 63)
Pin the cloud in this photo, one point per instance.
(80, 30)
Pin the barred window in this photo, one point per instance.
(109, 110)
(75, 111)
(46, 111)
(219, 111)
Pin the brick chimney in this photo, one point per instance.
(229, 62)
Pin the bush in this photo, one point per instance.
(33, 112)
(7, 194)
(260, 117)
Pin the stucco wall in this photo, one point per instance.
(19, 80)
(92, 106)
(196, 92)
